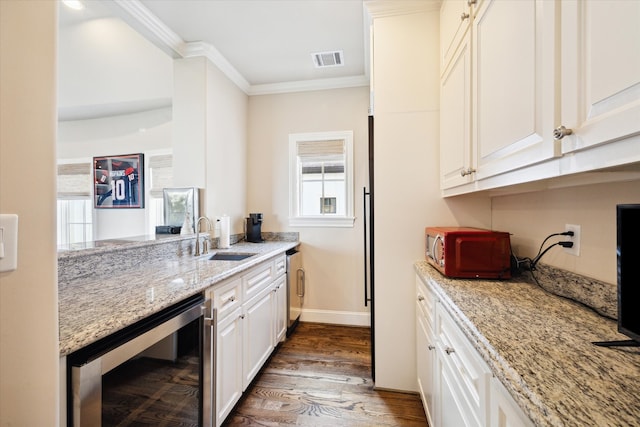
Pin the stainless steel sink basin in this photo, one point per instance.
(230, 256)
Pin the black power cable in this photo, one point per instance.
(530, 264)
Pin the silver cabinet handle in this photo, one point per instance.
(420, 298)
(467, 171)
(464, 16)
(449, 350)
(431, 346)
(561, 132)
(206, 310)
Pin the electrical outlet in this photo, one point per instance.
(575, 249)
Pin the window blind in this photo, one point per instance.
(161, 171)
(320, 148)
(74, 180)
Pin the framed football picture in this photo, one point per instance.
(118, 181)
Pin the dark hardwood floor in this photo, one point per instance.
(321, 376)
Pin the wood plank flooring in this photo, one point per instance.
(321, 376)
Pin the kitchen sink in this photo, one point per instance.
(230, 256)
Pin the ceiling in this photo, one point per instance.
(264, 46)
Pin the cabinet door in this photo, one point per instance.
(455, 16)
(228, 350)
(280, 308)
(455, 119)
(425, 351)
(258, 335)
(600, 72)
(451, 408)
(471, 372)
(504, 410)
(514, 85)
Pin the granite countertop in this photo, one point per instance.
(94, 306)
(540, 347)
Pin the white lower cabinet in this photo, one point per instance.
(228, 353)
(250, 313)
(455, 383)
(504, 411)
(426, 348)
(451, 409)
(258, 334)
(280, 308)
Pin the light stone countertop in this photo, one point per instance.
(95, 306)
(540, 347)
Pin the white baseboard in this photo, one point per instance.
(350, 318)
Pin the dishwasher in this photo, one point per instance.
(295, 289)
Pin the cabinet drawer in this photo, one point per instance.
(257, 279)
(425, 302)
(280, 265)
(472, 372)
(227, 297)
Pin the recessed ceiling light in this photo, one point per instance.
(73, 4)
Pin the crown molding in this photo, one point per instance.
(386, 8)
(196, 49)
(145, 22)
(309, 85)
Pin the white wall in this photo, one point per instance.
(29, 351)
(531, 217)
(407, 186)
(227, 122)
(332, 257)
(209, 138)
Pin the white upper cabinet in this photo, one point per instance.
(600, 74)
(513, 85)
(455, 120)
(455, 16)
(553, 89)
(497, 88)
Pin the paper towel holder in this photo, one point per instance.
(224, 241)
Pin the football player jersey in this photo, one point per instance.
(119, 183)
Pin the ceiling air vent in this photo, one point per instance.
(328, 59)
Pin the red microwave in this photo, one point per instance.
(465, 252)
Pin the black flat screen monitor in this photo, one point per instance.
(628, 262)
(628, 253)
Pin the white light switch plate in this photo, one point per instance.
(9, 242)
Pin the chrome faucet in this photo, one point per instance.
(205, 246)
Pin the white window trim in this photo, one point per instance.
(295, 219)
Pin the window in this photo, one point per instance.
(75, 221)
(321, 179)
(160, 176)
(75, 209)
